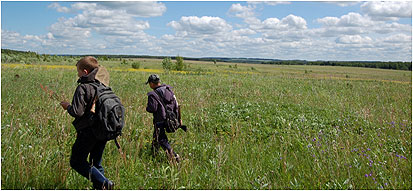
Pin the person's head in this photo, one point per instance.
(154, 81)
(86, 65)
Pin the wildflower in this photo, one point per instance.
(309, 146)
(366, 175)
(368, 149)
(314, 139)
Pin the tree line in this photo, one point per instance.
(29, 57)
(370, 64)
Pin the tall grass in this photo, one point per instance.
(277, 128)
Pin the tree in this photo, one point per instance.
(179, 63)
(167, 63)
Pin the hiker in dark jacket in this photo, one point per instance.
(81, 109)
(155, 107)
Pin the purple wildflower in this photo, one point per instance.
(314, 139)
(366, 175)
(385, 184)
(403, 157)
(368, 149)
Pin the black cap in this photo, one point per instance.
(154, 78)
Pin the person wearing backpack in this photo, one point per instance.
(163, 105)
(89, 72)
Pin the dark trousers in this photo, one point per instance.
(160, 138)
(86, 144)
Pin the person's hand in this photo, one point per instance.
(64, 104)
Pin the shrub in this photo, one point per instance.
(180, 63)
(136, 65)
(167, 63)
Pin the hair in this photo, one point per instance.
(89, 63)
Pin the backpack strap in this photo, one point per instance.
(160, 99)
(96, 85)
(117, 145)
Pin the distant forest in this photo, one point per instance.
(31, 57)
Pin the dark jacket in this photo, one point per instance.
(83, 100)
(154, 104)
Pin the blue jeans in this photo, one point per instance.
(86, 145)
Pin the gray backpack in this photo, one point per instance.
(109, 113)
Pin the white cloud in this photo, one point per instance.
(398, 38)
(244, 32)
(59, 8)
(388, 9)
(137, 8)
(272, 3)
(193, 25)
(354, 39)
(294, 22)
(96, 17)
(350, 20)
(133, 8)
(355, 24)
(343, 3)
(242, 11)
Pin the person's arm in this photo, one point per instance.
(77, 109)
(152, 104)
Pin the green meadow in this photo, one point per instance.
(250, 126)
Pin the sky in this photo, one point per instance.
(287, 30)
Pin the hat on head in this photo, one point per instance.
(153, 78)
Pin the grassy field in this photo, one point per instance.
(250, 127)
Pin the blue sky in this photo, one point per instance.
(280, 30)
